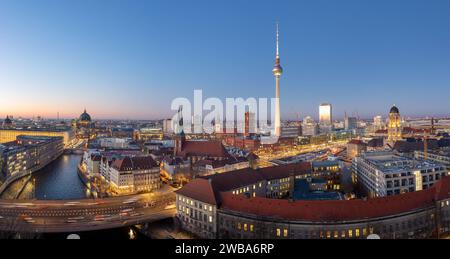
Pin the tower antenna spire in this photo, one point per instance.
(278, 43)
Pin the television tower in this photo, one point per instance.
(277, 71)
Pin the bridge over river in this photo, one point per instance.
(59, 216)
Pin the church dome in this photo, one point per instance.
(85, 116)
(394, 109)
(7, 120)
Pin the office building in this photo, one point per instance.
(30, 153)
(350, 123)
(382, 173)
(11, 134)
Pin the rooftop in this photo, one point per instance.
(388, 162)
(336, 210)
(204, 188)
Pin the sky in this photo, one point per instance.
(130, 59)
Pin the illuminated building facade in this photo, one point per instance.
(8, 135)
(30, 153)
(220, 207)
(382, 173)
(134, 174)
(325, 118)
(394, 125)
(7, 123)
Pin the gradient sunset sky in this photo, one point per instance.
(129, 59)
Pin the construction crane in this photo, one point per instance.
(425, 139)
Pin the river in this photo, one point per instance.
(57, 181)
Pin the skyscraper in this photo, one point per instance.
(277, 71)
(325, 113)
(325, 118)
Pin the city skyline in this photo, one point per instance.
(114, 67)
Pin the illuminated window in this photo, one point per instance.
(357, 232)
(251, 228)
(328, 234)
(336, 234)
(254, 194)
(371, 230)
(285, 233)
(245, 227)
(210, 208)
(350, 233)
(239, 225)
(278, 232)
(343, 234)
(210, 218)
(364, 231)
(234, 192)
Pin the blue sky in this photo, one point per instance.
(129, 59)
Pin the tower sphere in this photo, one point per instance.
(277, 70)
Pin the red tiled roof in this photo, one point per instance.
(199, 189)
(331, 211)
(204, 148)
(235, 179)
(134, 163)
(381, 132)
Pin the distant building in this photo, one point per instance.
(378, 122)
(7, 123)
(350, 123)
(309, 127)
(325, 118)
(439, 156)
(114, 143)
(290, 131)
(176, 169)
(250, 126)
(167, 126)
(123, 133)
(394, 126)
(382, 173)
(325, 114)
(11, 134)
(85, 120)
(355, 148)
(150, 133)
(209, 167)
(408, 146)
